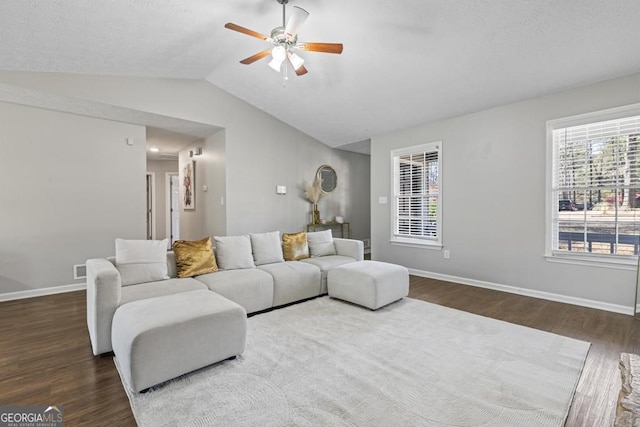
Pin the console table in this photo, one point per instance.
(331, 225)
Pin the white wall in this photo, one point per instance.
(214, 156)
(494, 197)
(69, 185)
(160, 168)
(260, 150)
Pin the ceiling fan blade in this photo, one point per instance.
(254, 58)
(297, 18)
(321, 47)
(246, 31)
(301, 71)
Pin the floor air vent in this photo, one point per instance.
(79, 271)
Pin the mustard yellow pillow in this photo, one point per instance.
(194, 257)
(294, 246)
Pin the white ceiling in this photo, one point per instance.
(404, 62)
(168, 143)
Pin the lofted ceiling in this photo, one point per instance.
(404, 62)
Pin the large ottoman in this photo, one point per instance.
(160, 338)
(371, 284)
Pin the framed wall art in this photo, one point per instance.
(188, 185)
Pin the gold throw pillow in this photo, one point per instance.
(194, 257)
(294, 246)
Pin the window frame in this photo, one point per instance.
(591, 259)
(427, 243)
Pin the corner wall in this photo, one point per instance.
(69, 185)
(258, 151)
(494, 198)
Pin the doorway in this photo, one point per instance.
(173, 207)
(151, 197)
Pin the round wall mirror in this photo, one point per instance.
(328, 178)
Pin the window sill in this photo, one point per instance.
(416, 243)
(626, 263)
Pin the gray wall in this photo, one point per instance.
(243, 163)
(494, 174)
(241, 182)
(69, 185)
(214, 156)
(160, 168)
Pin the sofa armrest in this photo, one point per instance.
(349, 247)
(103, 298)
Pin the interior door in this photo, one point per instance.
(175, 208)
(149, 207)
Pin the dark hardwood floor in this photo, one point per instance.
(46, 359)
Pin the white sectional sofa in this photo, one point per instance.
(256, 287)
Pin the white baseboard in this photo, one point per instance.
(10, 296)
(615, 308)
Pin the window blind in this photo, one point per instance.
(596, 187)
(417, 193)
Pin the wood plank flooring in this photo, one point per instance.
(46, 359)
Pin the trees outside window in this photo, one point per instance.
(417, 195)
(595, 188)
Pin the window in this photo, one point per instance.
(417, 195)
(595, 189)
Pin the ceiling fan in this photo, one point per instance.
(285, 42)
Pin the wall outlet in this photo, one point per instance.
(447, 254)
(367, 243)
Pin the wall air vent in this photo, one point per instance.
(79, 271)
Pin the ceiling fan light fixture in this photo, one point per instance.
(275, 64)
(278, 54)
(284, 39)
(296, 61)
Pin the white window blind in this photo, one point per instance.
(596, 187)
(416, 194)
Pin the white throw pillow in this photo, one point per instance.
(267, 248)
(141, 261)
(234, 252)
(321, 243)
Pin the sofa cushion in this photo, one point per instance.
(321, 243)
(266, 248)
(293, 281)
(326, 263)
(194, 257)
(251, 288)
(140, 261)
(156, 289)
(295, 246)
(234, 252)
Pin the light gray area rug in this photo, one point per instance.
(328, 363)
(628, 411)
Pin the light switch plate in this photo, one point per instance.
(382, 200)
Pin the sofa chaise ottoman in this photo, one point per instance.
(371, 284)
(160, 338)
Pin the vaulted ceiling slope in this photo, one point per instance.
(404, 62)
